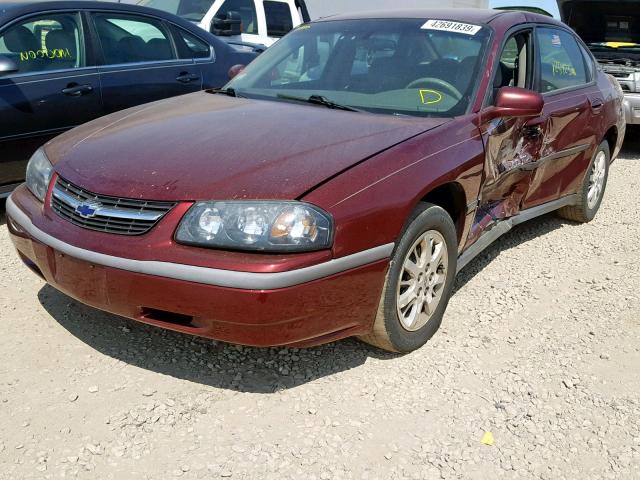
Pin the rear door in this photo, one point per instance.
(572, 114)
(55, 88)
(139, 61)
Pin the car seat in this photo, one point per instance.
(65, 41)
(131, 50)
(22, 40)
(159, 49)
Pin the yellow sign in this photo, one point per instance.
(620, 44)
(428, 96)
(563, 69)
(53, 54)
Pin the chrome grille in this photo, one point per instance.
(121, 216)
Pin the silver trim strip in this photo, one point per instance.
(505, 225)
(555, 156)
(207, 276)
(102, 211)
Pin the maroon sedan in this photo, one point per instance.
(334, 188)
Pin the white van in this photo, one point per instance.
(259, 22)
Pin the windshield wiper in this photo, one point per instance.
(319, 100)
(231, 92)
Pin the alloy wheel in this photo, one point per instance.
(596, 180)
(422, 280)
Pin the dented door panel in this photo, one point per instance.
(567, 144)
(512, 150)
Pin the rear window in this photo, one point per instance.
(279, 21)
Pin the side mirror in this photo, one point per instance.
(227, 25)
(236, 70)
(515, 102)
(7, 66)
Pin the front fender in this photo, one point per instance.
(372, 201)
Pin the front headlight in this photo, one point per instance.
(254, 225)
(39, 172)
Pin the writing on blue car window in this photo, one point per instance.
(43, 43)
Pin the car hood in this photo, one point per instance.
(205, 146)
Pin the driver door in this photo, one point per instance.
(512, 144)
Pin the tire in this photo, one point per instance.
(586, 208)
(404, 329)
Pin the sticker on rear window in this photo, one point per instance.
(447, 26)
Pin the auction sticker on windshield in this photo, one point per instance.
(446, 26)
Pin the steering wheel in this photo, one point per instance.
(446, 86)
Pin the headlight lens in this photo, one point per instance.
(259, 226)
(39, 172)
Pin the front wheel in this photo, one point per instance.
(419, 282)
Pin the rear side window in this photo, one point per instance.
(561, 61)
(132, 39)
(44, 43)
(279, 21)
(189, 46)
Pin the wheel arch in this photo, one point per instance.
(611, 136)
(452, 197)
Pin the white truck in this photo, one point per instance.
(258, 22)
(262, 22)
(611, 30)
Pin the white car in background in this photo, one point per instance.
(259, 22)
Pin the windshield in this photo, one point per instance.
(193, 10)
(392, 66)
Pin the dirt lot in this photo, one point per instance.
(540, 346)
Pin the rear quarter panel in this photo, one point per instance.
(613, 114)
(372, 201)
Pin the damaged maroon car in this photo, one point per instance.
(334, 188)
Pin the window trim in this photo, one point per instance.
(559, 91)
(82, 36)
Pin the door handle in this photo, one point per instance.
(596, 105)
(75, 90)
(186, 77)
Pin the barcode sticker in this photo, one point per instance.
(448, 26)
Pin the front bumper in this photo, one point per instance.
(301, 307)
(632, 108)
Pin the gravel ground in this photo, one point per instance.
(540, 347)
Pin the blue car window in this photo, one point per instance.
(132, 39)
(44, 43)
(189, 46)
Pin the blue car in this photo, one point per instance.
(65, 63)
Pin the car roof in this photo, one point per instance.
(471, 15)
(13, 9)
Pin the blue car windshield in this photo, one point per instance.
(421, 67)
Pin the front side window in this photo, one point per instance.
(279, 21)
(44, 43)
(513, 65)
(561, 61)
(247, 11)
(132, 39)
(392, 66)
